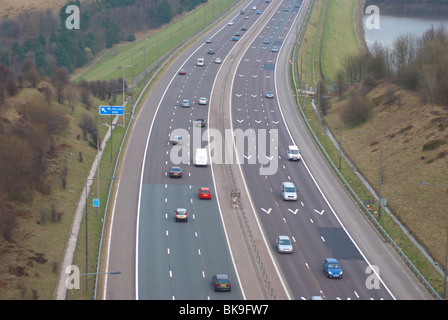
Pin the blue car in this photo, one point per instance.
(332, 268)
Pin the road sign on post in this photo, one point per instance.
(111, 110)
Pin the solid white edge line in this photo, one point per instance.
(143, 165)
(322, 194)
(109, 238)
(245, 184)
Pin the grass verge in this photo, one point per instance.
(339, 40)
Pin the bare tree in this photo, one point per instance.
(404, 50)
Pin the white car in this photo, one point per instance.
(203, 100)
(230, 23)
(284, 244)
(293, 153)
(218, 60)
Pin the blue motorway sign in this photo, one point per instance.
(96, 203)
(111, 110)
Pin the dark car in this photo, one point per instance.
(182, 72)
(221, 282)
(332, 268)
(175, 172)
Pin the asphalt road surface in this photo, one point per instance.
(163, 259)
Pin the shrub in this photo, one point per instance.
(357, 110)
(88, 125)
(434, 144)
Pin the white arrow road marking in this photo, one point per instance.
(239, 120)
(238, 95)
(275, 122)
(295, 212)
(270, 158)
(257, 121)
(254, 75)
(247, 157)
(267, 211)
(241, 75)
(320, 212)
(254, 95)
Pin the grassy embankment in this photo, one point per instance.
(406, 126)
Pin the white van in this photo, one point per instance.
(289, 191)
(200, 62)
(200, 157)
(293, 153)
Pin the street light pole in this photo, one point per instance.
(123, 67)
(381, 170)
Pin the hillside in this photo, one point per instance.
(50, 140)
(415, 150)
(13, 8)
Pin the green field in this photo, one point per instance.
(149, 49)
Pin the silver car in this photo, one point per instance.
(284, 244)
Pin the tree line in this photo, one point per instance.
(43, 38)
(414, 63)
(29, 130)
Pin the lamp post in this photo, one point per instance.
(446, 250)
(123, 67)
(381, 170)
(87, 196)
(95, 273)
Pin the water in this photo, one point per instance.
(391, 27)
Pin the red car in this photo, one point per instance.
(204, 193)
(182, 72)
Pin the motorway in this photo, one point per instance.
(163, 259)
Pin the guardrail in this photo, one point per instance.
(293, 69)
